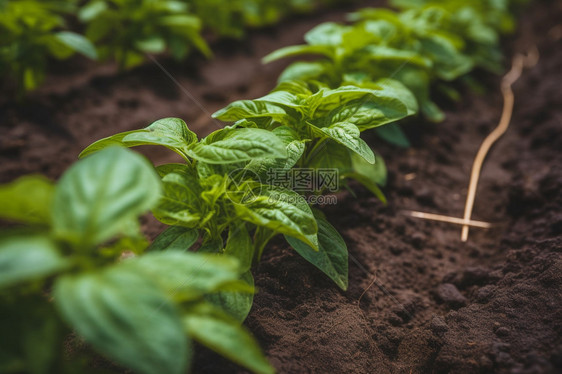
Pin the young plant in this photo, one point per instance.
(128, 29)
(32, 32)
(218, 195)
(230, 18)
(417, 46)
(321, 127)
(78, 266)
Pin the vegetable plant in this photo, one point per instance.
(128, 29)
(31, 33)
(435, 42)
(229, 18)
(217, 194)
(79, 265)
(322, 126)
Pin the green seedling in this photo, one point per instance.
(217, 195)
(78, 265)
(127, 30)
(31, 33)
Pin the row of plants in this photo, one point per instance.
(80, 262)
(32, 32)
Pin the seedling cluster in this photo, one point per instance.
(32, 32)
(81, 259)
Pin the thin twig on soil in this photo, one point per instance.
(454, 220)
(520, 61)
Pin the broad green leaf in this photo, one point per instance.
(240, 145)
(294, 148)
(181, 203)
(262, 236)
(171, 133)
(102, 195)
(252, 109)
(376, 172)
(348, 135)
(214, 186)
(304, 71)
(351, 165)
(296, 88)
(223, 334)
(393, 134)
(297, 50)
(239, 245)
(27, 199)
(236, 304)
(77, 43)
(188, 276)
(175, 238)
(125, 316)
(326, 34)
(211, 245)
(380, 53)
(281, 210)
(369, 175)
(92, 10)
(418, 82)
(24, 259)
(331, 257)
(331, 155)
(367, 113)
(386, 101)
(282, 98)
(182, 21)
(151, 45)
(166, 169)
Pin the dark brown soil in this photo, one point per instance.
(420, 300)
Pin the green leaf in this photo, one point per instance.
(326, 34)
(304, 71)
(348, 135)
(180, 204)
(376, 172)
(223, 334)
(151, 45)
(393, 134)
(384, 54)
(297, 50)
(239, 245)
(188, 276)
(293, 146)
(27, 199)
(240, 145)
(102, 195)
(77, 43)
(92, 10)
(23, 259)
(182, 21)
(280, 210)
(175, 238)
(381, 102)
(331, 155)
(126, 317)
(236, 304)
(171, 133)
(331, 257)
(252, 109)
